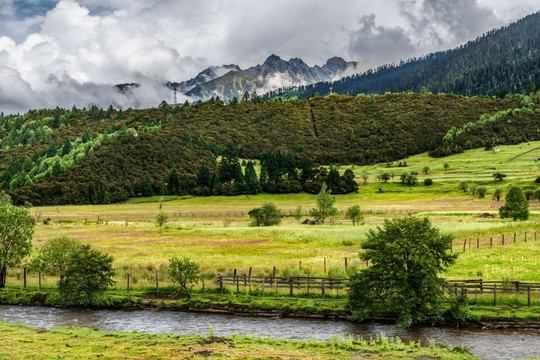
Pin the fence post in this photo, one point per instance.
(525, 236)
(514, 238)
(325, 264)
(237, 284)
(495, 294)
(300, 265)
(464, 244)
(481, 286)
(290, 287)
(308, 284)
(529, 296)
(322, 288)
(490, 241)
(262, 285)
(220, 280)
(503, 239)
(203, 289)
(157, 282)
(477, 243)
(273, 274)
(24, 276)
(249, 280)
(345, 263)
(128, 283)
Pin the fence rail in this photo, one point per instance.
(323, 284)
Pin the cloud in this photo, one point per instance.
(54, 51)
(370, 43)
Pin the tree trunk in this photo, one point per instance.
(3, 273)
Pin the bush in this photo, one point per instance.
(268, 214)
(161, 218)
(537, 180)
(428, 182)
(184, 272)
(88, 273)
(481, 191)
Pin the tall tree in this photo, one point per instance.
(325, 205)
(407, 255)
(16, 230)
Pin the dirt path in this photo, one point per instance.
(313, 127)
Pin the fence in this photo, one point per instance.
(308, 283)
(476, 243)
(481, 287)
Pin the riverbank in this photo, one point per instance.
(26, 342)
(274, 307)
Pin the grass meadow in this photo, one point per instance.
(215, 231)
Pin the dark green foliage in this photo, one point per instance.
(428, 182)
(250, 178)
(88, 274)
(537, 180)
(516, 205)
(119, 166)
(266, 215)
(406, 257)
(499, 176)
(173, 183)
(229, 164)
(497, 194)
(203, 176)
(66, 148)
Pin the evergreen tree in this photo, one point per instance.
(250, 179)
(173, 183)
(239, 183)
(66, 148)
(203, 176)
(146, 187)
(332, 180)
(229, 164)
(516, 205)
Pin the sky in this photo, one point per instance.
(71, 52)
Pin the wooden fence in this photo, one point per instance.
(323, 284)
(481, 287)
(292, 283)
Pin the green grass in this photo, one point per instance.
(215, 231)
(23, 342)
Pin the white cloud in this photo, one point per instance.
(58, 51)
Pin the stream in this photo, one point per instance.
(485, 344)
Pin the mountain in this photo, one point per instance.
(78, 156)
(272, 74)
(204, 76)
(501, 61)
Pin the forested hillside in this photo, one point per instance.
(502, 61)
(98, 156)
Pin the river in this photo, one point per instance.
(485, 344)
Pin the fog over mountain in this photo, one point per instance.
(73, 52)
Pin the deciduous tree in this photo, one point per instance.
(406, 255)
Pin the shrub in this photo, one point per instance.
(266, 215)
(428, 182)
(184, 272)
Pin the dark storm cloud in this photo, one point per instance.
(373, 45)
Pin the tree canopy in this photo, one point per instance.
(406, 256)
(516, 205)
(16, 230)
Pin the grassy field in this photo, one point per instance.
(23, 342)
(216, 232)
